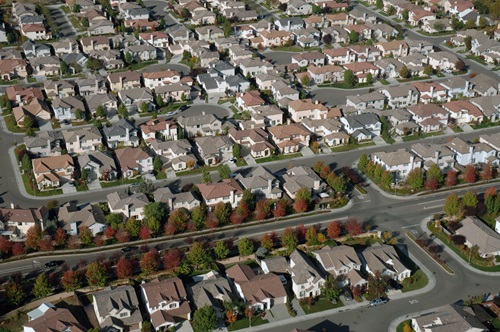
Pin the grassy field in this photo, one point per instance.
(401, 326)
(420, 281)
(244, 323)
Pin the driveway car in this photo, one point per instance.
(377, 301)
(347, 294)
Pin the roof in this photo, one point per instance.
(164, 194)
(286, 131)
(23, 215)
(394, 158)
(211, 291)
(449, 318)
(102, 160)
(126, 76)
(427, 110)
(55, 320)
(167, 291)
(302, 269)
(383, 257)
(195, 120)
(48, 164)
(219, 189)
(306, 105)
(277, 264)
(337, 257)
(68, 102)
(82, 134)
(161, 74)
(429, 150)
(84, 217)
(118, 201)
(119, 128)
(483, 82)
(128, 157)
(479, 234)
(115, 299)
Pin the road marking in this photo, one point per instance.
(432, 207)
(436, 200)
(413, 301)
(363, 201)
(411, 226)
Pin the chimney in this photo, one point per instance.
(471, 152)
(92, 43)
(269, 26)
(203, 113)
(231, 196)
(12, 205)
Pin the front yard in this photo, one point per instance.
(350, 147)
(414, 137)
(278, 157)
(321, 304)
(245, 322)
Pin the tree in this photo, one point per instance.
(144, 108)
(318, 165)
(42, 287)
(482, 23)
(267, 242)
(33, 236)
(5, 245)
(487, 172)
(431, 183)
(227, 28)
(311, 236)
(85, 22)
(470, 24)
(150, 262)
(407, 327)
(353, 37)
(18, 249)
(231, 316)
(224, 171)
(379, 4)
(245, 247)
(26, 163)
(198, 256)
(331, 289)
(386, 179)
(470, 200)
(146, 187)
(280, 209)
(157, 164)
(222, 211)
(172, 259)
(468, 43)
(221, 249)
(349, 78)
(96, 274)
(145, 233)
(146, 327)
(428, 70)
(363, 162)
(128, 58)
(86, 236)
(133, 227)
(205, 319)
(334, 229)
(262, 210)
(289, 240)
(415, 178)
(122, 111)
(369, 78)
(28, 122)
(377, 174)
(353, 226)
(206, 177)
(155, 210)
(178, 219)
(248, 198)
(339, 184)
(326, 171)
(199, 215)
(327, 39)
(470, 174)
(459, 65)
(406, 14)
(14, 293)
(71, 280)
(64, 68)
(452, 205)
(300, 205)
(124, 268)
(435, 172)
(237, 151)
(404, 72)
(451, 178)
(305, 80)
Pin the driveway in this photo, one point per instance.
(94, 185)
(44, 125)
(278, 312)
(279, 58)
(68, 189)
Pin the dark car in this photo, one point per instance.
(347, 294)
(393, 284)
(377, 301)
(53, 264)
(128, 249)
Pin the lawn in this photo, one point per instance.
(278, 157)
(15, 323)
(384, 81)
(486, 125)
(244, 323)
(415, 137)
(161, 176)
(321, 304)
(413, 78)
(420, 280)
(295, 48)
(457, 129)
(361, 241)
(241, 162)
(120, 182)
(172, 107)
(12, 126)
(236, 114)
(142, 64)
(226, 100)
(350, 147)
(76, 23)
(32, 192)
(194, 171)
(401, 326)
(344, 85)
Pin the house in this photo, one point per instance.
(373, 100)
(143, 52)
(289, 24)
(95, 43)
(298, 8)
(290, 138)
(122, 133)
(343, 263)
(309, 37)
(249, 99)
(254, 67)
(458, 87)
(166, 302)
(492, 140)
(134, 161)
(45, 66)
(52, 171)
(209, 33)
(434, 154)
(261, 291)
(17, 221)
(442, 60)
(124, 80)
(301, 109)
(129, 206)
(59, 88)
(447, 316)
(362, 126)
(98, 165)
(395, 48)
(307, 280)
(108, 101)
(330, 130)
(384, 260)
(155, 79)
(210, 289)
(66, 109)
(362, 69)
(484, 85)
(266, 116)
(420, 46)
(261, 183)
(101, 27)
(430, 117)
(37, 109)
(165, 129)
(74, 218)
(35, 32)
(134, 98)
(48, 317)
(399, 162)
(490, 106)
(117, 308)
(389, 67)
(19, 95)
(83, 140)
(174, 201)
(214, 149)
(13, 68)
(437, 25)
(339, 56)
(299, 177)
(401, 95)
(204, 124)
(472, 153)
(463, 111)
(254, 139)
(266, 81)
(283, 93)
(176, 92)
(270, 38)
(91, 85)
(227, 191)
(478, 234)
(431, 92)
(44, 144)
(176, 154)
(327, 73)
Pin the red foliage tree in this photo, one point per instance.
(74, 242)
(491, 191)
(451, 178)
(5, 245)
(334, 229)
(170, 228)
(110, 232)
(470, 174)
(300, 205)
(325, 170)
(236, 218)
(243, 210)
(179, 219)
(45, 244)
(262, 210)
(33, 236)
(431, 184)
(357, 292)
(71, 280)
(353, 226)
(487, 172)
(150, 262)
(124, 268)
(172, 259)
(211, 222)
(191, 226)
(145, 233)
(122, 236)
(18, 249)
(99, 240)
(301, 230)
(280, 209)
(60, 237)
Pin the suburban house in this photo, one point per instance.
(227, 191)
(19, 95)
(261, 183)
(174, 201)
(17, 221)
(143, 52)
(74, 218)
(175, 154)
(204, 124)
(446, 316)
(290, 138)
(478, 234)
(106, 100)
(134, 161)
(166, 302)
(122, 133)
(124, 80)
(84, 140)
(299, 177)
(66, 109)
(254, 139)
(306, 109)
(307, 280)
(53, 171)
(383, 260)
(129, 206)
(44, 144)
(430, 117)
(343, 263)
(214, 149)
(211, 289)
(431, 92)
(13, 68)
(442, 60)
(373, 100)
(261, 291)
(472, 153)
(463, 111)
(492, 140)
(434, 154)
(117, 308)
(399, 162)
(401, 96)
(48, 317)
(37, 109)
(165, 129)
(134, 98)
(363, 126)
(98, 165)
(155, 79)
(249, 99)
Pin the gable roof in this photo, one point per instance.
(479, 234)
(219, 189)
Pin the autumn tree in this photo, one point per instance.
(451, 178)
(60, 237)
(435, 171)
(86, 236)
(222, 212)
(301, 231)
(14, 293)
(318, 165)
(248, 198)
(431, 183)
(404, 72)
(415, 178)
(221, 249)
(231, 316)
(300, 205)
(452, 205)
(245, 247)
(71, 280)
(311, 236)
(96, 274)
(487, 172)
(122, 236)
(262, 210)
(45, 243)
(267, 242)
(289, 240)
(280, 209)
(211, 221)
(18, 249)
(199, 216)
(198, 256)
(179, 218)
(325, 170)
(150, 262)
(33, 236)
(42, 286)
(334, 229)
(145, 233)
(353, 226)
(470, 174)
(5, 245)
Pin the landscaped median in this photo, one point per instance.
(429, 251)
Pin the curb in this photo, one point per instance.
(425, 251)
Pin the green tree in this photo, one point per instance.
(237, 151)
(386, 179)
(434, 171)
(79, 114)
(468, 43)
(64, 68)
(157, 164)
(86, 236)
(155, 210)
(133, 227)
(28, 122)
(146, 327)
(311, 236)
(379, 4)
(289, 240)
(339, 184)
(470, 24)
(42, 287)
(159, 101)
(224, 171)
(122, 111)
(14, 293)
(85, 22)
(128, 58)
(353, 37)
(369, 78)
(146, 187)
(406, 14)
(482, 23)
(331, 289)
(144, 108)
(245, 247)
(221, 250)
(96, 274)
(199, 216)
(198, 256)
(349, 78)
(452, 205)
(206, 177)
(222, 211)
(377, 174)
(428, 70)
(153, 224)
(205, 319)
(100, 111)
(248, 198)
(75, 8)
(415, 178)
(363, 162)
(227, 28)
(404, 72)
(469, 199)
(303, 193)
(305, 80)
(26, 163)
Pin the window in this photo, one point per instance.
(173, 305)
(123, 314)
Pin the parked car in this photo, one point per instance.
(53, 264)
(128, 249)
(347, 294)
(377, 301)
